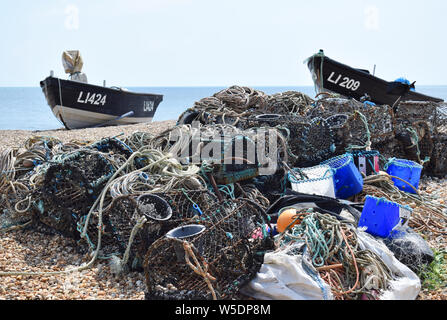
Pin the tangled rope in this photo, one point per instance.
(335, 252)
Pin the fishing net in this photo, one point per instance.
(209, 257)
(368, 127)
(15, 202)
(112, 145)
(272, 186)
(168, 205)
(250, 191)
(410, 249)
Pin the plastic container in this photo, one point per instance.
(406, 170)
(348, 180)
(382, 217)
(367, 162)
(317, 180)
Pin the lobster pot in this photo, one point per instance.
(120, 219)
(407, 170)
(209, 256)
(348, 180)
(315, 180)
(381, 217)
(71, 184)
(367, 162)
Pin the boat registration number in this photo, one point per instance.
(148, 106)
(92, 98)
(344, 82)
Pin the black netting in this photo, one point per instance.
(227, 245)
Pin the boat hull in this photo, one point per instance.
(80, 105)
(331, 76)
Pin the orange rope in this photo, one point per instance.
(355, 264)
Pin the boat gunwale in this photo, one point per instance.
(115, 90)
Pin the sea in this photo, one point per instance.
(25, 108)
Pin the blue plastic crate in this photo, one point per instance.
(348, 180)
(381, 216)
(406, 170)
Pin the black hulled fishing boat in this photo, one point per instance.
(78, 104)
(332, 76)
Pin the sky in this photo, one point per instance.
(139, 43)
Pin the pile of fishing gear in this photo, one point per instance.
(248, 195)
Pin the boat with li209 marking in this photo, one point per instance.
(331, 76)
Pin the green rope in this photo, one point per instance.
(415, 136)
(367, 145)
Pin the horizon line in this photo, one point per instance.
(214, 86)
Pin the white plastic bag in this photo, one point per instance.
(406, 285)
(287, 277)
(319, 181)
(292, 277)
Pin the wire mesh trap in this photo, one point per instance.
(119, 232)
(209, 257)
(69, 189)
(438, 162)
(308, 140)
(289, 102)
(163, 212)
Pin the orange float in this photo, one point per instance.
(286, 218)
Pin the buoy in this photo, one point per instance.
(286, 218)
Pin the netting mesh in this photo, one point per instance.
(438, 161)
(410, 249)
(289, 102)
(69, 189)
(212, 263)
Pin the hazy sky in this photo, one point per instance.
(221, 42)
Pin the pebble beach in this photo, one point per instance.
(30, 251)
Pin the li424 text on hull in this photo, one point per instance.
(92, 98)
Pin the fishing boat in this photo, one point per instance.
(78, 104)
(330, 76)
